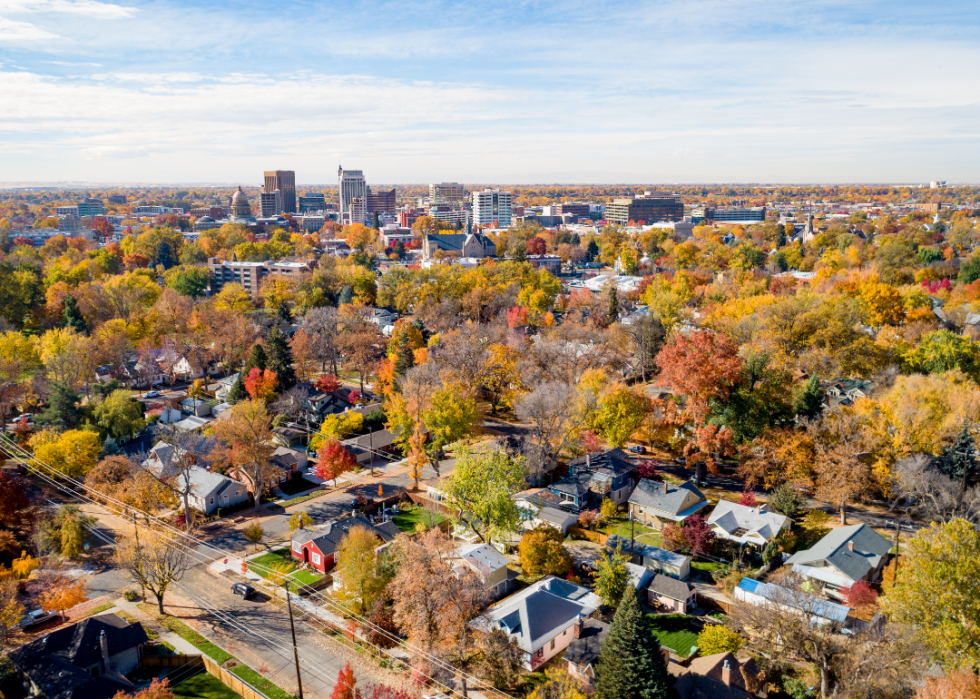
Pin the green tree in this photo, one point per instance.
(591, 250)
(480, 493)
(631, 664)
(808, 400)
(62, 410)
(786, 501)
(280, 360)
(970, 270)
(189, 281)
(942, 351)
(542, 552)
(120, 415)
(165, 254)
(404, 354)
(71, 317)
(935, 590)
(346, 295)
(612, 578)
(612, 314)
(256, 359)
(238, 391)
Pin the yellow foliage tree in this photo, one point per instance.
(74, 452)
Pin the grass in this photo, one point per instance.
(674, 632)
(407, 519)
(260, 683)
(298, 577)
(296, 485)
(204, 686)
(104, 607)
(707, 566)
(220, 655)
(307, 577)
(309, 496)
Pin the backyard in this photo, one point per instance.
(409, 516)
(621, 526)
(204, 686)
(674, 632)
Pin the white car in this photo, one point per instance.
(152, 394)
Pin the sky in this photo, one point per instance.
(539, 91)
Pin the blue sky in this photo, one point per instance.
(173, 91)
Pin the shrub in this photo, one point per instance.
(131, 595)
(608, 510)
(719, 639)
(797, 689)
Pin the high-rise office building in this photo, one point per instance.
(380, 202)
(451, 194)
(351, 185)
(285, 182)
(649, 207)
(91, 206)
(491, 206)
(270, 203)
(312, 202)
(356, 211)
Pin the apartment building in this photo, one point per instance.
(450, 194)
(492, 206)
(251, 275)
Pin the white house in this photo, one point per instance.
(747, 525)
(540, 618)
(487, 563)
(209, 491)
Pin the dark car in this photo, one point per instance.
(243, 589)
(36, 619)
(635, 449)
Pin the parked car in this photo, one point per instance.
(152, 394)
(635, 449)
(243, 589)
(36, 619)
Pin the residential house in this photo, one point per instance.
(318, 547)
(191, 423)
(672, 595)
(845, 391)
(89, 659)
(382, 317)
(487, 563)
(195, 406)
(588, 636)
(188, 368)
(652, 558)
(224, 386)
(640, 576)
(164, 414)
(288, 437)
(290, 459)
(844, 556)
(656, 503)
(372, 447)
(747, 525)
(763, 594)
(539, 618)
(718, 676)
(539, 513)
(594, 477)
(208, 490)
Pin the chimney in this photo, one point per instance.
(588, 461)
(104, 646)
(665, 487)
(726, 673)
(850, 545)
(578, 628)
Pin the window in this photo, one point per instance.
(552, 644)
(297, 546)
(316, 559)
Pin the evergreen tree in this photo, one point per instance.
(237, 391)
(631, 664)
(62, 411)
(613, 314)
(256, 360)
(165, 255)
(959, 459)
(346, 296)
(592, 251)
(283, 314)
(420, 326)
(808, 401)
(72, 317)
(280, 360)
(404, 355)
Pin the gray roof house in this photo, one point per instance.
(583, 651)
(224, 386)
(672, 593)
(652, 558)
(747, 525)
(655, 503)
(844, 556)
(489, 565)
(540, 617)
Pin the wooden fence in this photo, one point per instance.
(576, 532)
(429, 503)
(233, 682)
(177, 660)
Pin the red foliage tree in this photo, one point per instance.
(354, 397)
(536, 246)
(748, 499)
(326, 383)
(333, 461)
(694, 536)
(103, 228)
(383, 691)
(516, 317)
(136, 260)
(589, 440)
(346, 687)
(158, 689)
(260, 384)
(21, 240)
(860, 594)
(702, 366)
(648, 470)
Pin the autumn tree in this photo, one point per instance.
(480, 493)
(74, 453)
(333, 461)
(280, 360)
(11, 610)
(542, 552)
(261, 384)
(60, 593)
(247, 432)
(158, 689)
(120, 415)
(357, 567)
(842, 473)
(558, 684)
(346, 685)
(612, 578)
(498, 376)
(154, 561)
(715, 638)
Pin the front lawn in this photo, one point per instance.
(708, 566)
(260, 683)
(674, 632)
(406, 519)
(204, 686)
(260, 564)
(306, 577)
(220, 655)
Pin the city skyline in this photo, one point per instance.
(700, 92)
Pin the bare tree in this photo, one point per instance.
(321, 325)
(925, 490)
(292, 403)
(178, 460)
(558, 411)
(153, 561)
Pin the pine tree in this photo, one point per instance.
(280, 360)
(613, 314)
(62, 411)
(72, 317)
(592, 251)
(283, 314)
(631, 664)
(165, 255)
(238, 391)
(404, 355)
(808, 402)
(256, 360)
(346, 296)
(959, 459)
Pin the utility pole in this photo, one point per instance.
(632, 534)
(292, 628)
(371, 448)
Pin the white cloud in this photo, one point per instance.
(11, 30)
(87, 8)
